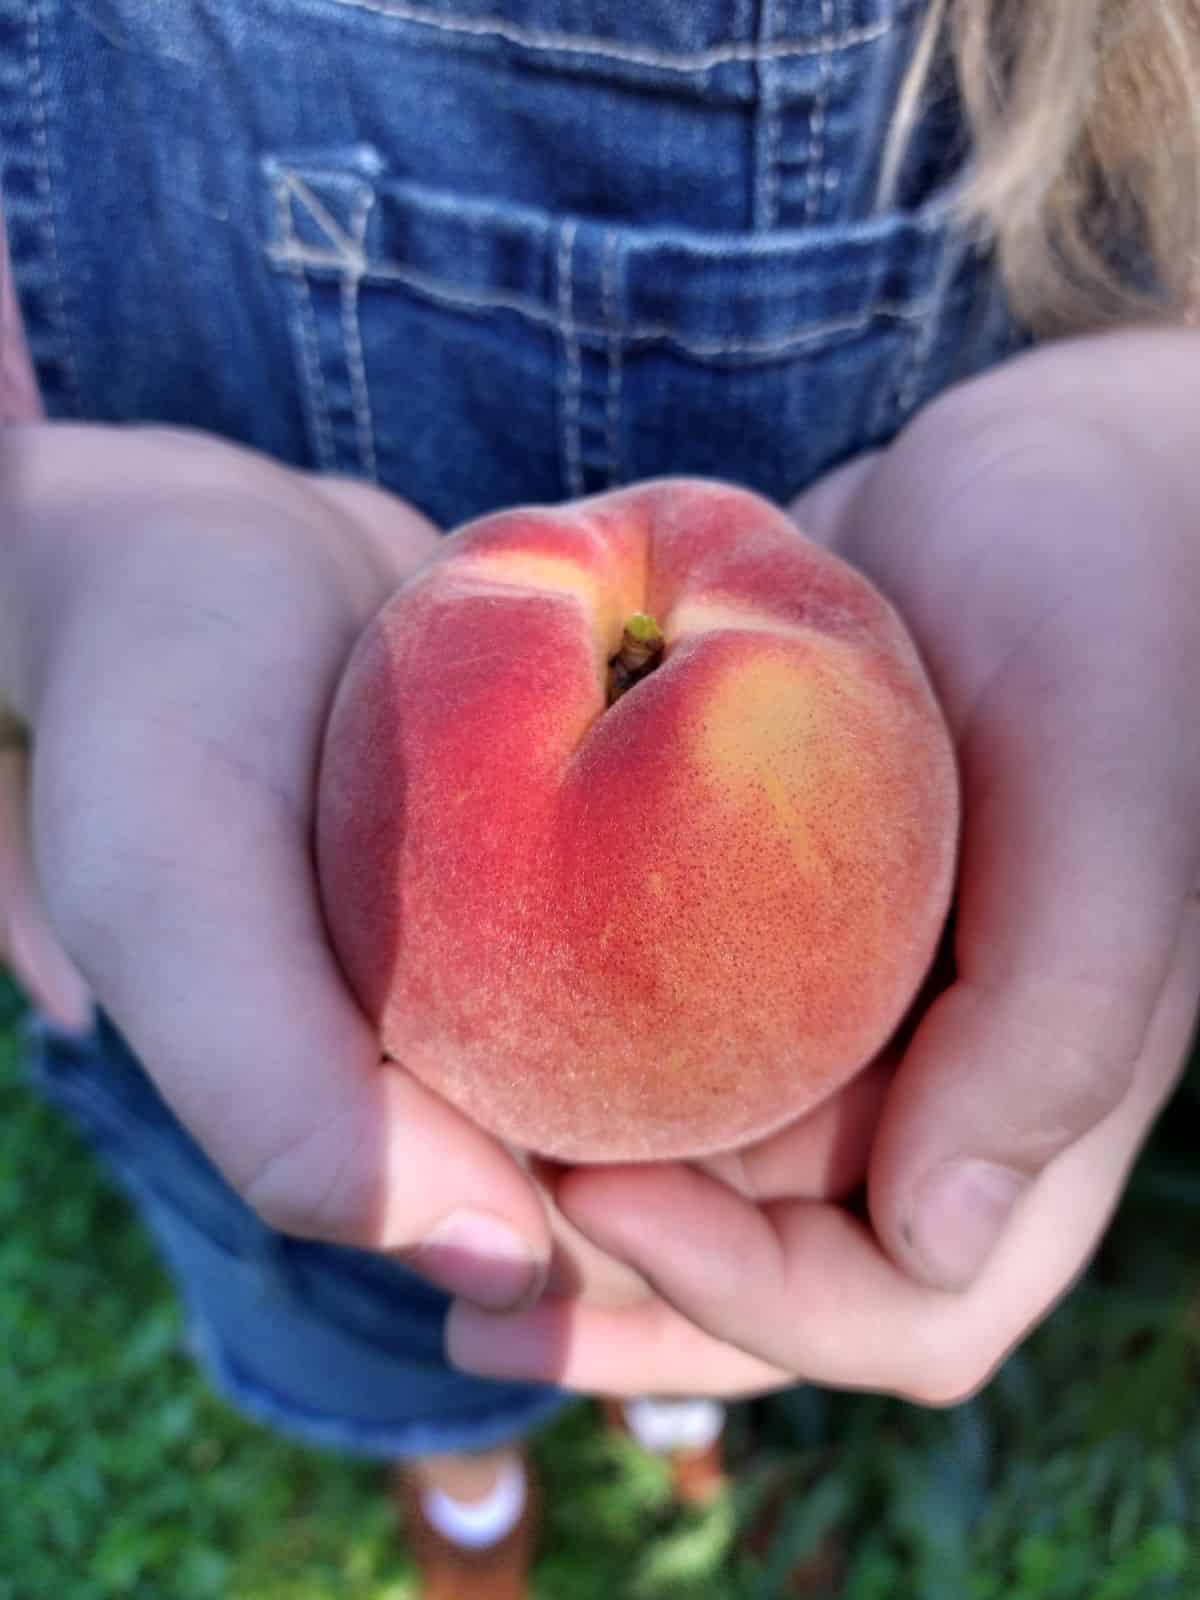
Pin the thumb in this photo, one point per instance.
(1079, 852)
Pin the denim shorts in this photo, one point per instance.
(481, 252)
(335, 1347)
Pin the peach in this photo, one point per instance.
(621, 897)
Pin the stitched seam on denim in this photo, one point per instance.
(440, 204)
(743, 22)
(608, 313)
(640, 333)
(305, 322)
(815, 175)
(40, 133)
(356, 364)
(572, 386)
(918, 355)
(951, 258)
(634, 55)
(743, 25)
(350, 252)
(768, 133)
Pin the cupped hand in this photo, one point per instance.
(1039, 530)
(29, 946)
(186, 608)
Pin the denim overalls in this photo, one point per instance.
(482, 251)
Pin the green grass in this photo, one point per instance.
(1075, 1477)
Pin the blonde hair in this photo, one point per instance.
(1085, 124)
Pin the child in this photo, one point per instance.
(477, 256)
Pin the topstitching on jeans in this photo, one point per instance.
(40, 137)
(609, 271)
(572, 380)
(769, 130)
(542, 41)
(448, 294)
(343, 254)
(352, 337)
(320, 416)
(814, 177)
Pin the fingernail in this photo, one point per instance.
(959, 1215)
(515, 1347)
(481, 1258)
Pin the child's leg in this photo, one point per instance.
(474, 1499)
(471, 1519)
(688, 1433)
(471, 1522)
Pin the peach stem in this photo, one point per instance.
(639, 653)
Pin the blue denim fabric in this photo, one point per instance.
(334, 1346)
(483, 252)
(487, 251)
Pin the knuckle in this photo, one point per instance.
(1070, 1060)
(317, 1185)
(1074, 1086)
(951, 1381)
(946, 1391)
(1092, 1082)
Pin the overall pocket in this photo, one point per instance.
(472, 354)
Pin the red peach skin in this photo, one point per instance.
(660, 928)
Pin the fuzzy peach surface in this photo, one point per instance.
(655, 929)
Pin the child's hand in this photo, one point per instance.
(29, 947)
(1040, 531)
(176, 614)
